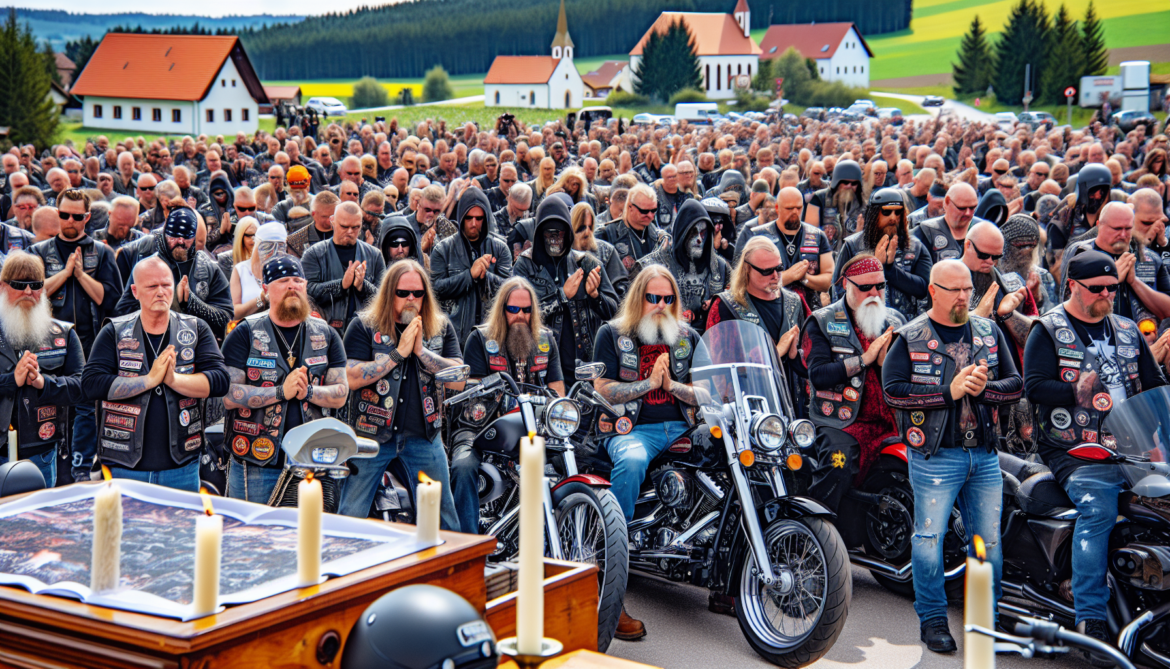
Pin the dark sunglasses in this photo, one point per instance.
(765, 272)
(866, 287)
(1000, 172)
(410, 293)
(655, 299)
(971, 208)
(1097, 290)
(146, 188)
(398, 244)
(249, 235)
(645, 212)
(890, 211)
(854, 184)
(22, 285)
(66, 216)
(239, 208)
(985, 256)
(515, 310)
(474, 218)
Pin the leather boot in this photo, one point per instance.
(718, 602)
(629, 629)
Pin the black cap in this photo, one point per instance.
(937, 189)
(279, 267)
(1089, 265)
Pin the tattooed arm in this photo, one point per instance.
(125, 387)
(242, 396)
(1017, 326)
(683, 392)
(361, 373)
(433, 363)
(617, 392)
(334, 391)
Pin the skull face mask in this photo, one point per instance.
(554, 242)
(695, 240)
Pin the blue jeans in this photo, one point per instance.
(357, 492)
(179, 478)
(1094, 490)
(631, 455)
(84, 444)
(973, 478)
(465, 463)
(251, 483)
(46, 462)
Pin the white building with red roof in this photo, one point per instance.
(723, 43)
(544, 82)
(839, 49)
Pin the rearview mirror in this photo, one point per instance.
(590, 371)
(1094, 453)
(453, 374)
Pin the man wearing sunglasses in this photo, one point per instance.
(935, 197)
(343, 272)
(298, 193)
(511, 339)
(14, 233)
(834, 209)
(946, 375)
(398, 241)
(636, 234)
(805, 252)
(40, 365)
(1080, 362)
(83, 285)
(1079, 214)
(943, 236)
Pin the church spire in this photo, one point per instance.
(562, 44)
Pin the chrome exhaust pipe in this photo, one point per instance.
(902, 573)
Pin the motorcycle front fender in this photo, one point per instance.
(800, 507)
(587, 479)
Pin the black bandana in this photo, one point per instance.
(280, 267)
(181, 223)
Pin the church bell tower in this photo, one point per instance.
(562, 44)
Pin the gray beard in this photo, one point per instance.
(658, 329)
(407, 315)
(843, 200)
(870, 317)
(588, 245)
(520, 342)
(1015, 261)
(981, 282)
(25, 329)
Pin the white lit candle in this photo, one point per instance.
(979, 609)
(530, 598)
(310, 506)
(428, 495)
(107, 535)
(208, 545)
(13, 449)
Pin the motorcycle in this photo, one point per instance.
(719, 510)
(583, 520)
(1043, 638)
(1039, 523)
(322, 448)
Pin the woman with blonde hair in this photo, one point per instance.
(252, 246)
(545, 178)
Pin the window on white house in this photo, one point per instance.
(245, 114)
(227, 116)
(176, 116)
(211, 116)
(117, 112)
(233, 83)
(97, 111)
(223, 83)
(136, 113)
(156, 115)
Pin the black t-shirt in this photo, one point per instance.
(658, 406)
(475, 357)
(347, 254)
(83, 325)
(956, 342)
(409, 419)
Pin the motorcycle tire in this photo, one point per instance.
(806, 537)
(592, 529)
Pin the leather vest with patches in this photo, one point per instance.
(792, 309)
(942, 243)
(536, 365)
(371, 409)
(922, 419)
(1146, 267)
(835, 224)
(908, 305)
(838, 406)
(254, 435)
(1066, 427)
(122, 423)
(586, 322)
(90, 258)
(12, 239)
(202, 264)
(622, 238)
(628, 350)
(37, 427)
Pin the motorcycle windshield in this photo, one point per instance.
(1140, 427)
(734, 351)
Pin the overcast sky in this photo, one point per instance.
(204, 7)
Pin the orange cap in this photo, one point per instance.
(298, 176)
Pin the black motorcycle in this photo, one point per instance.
(323, 448)
(1038, 532)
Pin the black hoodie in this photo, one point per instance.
(992, 207)
(402, 228)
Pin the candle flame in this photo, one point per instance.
(206, 501)
(980, 549)
(531, 436)
(309, 476)
(423, 478)
(106, 475)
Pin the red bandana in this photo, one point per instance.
(864, 266)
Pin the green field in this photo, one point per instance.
(342, 89)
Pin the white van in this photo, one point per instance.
(697, 112)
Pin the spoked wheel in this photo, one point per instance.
(592, 530)
(795, 620)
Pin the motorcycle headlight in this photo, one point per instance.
(769, 432)
(802, 432)
(562, 417)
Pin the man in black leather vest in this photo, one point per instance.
(83, 285)
(286, 368)
(156, 437)
(943, 236)
(510, 340)
(1081, 360)
(40, 365)
(946, 375)
(343, 272)
(395, 348)
(805, 251)
(636, 235)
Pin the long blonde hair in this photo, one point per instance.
(380, 315)
(238, 240)
(539, 185)
(630, 314)
(497, 319)
(742, 274)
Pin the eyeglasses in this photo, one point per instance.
(765, 272)
(65, 216)
(398, 244)
(20, 286)
(968, 289)
(1000, 172)
(469, 217)
(515, 310)
(1097, 290)
(644, 212)
(984, 256)
(249, 235)
(417, 294)
(655, 299)
(866, 287)
(245, 209)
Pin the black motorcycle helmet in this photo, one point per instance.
(420, 627)
(1090, 178)
(845, 170)
(885, 196)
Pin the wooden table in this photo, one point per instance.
(585, 659)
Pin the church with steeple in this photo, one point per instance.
(543, 82)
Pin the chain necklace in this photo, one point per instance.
(157, 389)
(790, 244)
(642, 237)
(292, 359)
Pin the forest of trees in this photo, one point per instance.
(464, 36)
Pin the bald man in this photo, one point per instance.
(943, 235)
(350, 169)
(945, 379)
(1005, 298)
(806, 256)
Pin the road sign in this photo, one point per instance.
(1070, 92)
(779, 85)
(976, 102)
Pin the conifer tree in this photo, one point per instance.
(26, 106)
(1095, 54)
(1024, 42)
(972, 73)
(668, 63)
(1065, 58)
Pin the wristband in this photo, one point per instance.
(396, 357)
(280, 393)
(309, 393)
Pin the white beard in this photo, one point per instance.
(25, 329)
(870, 317)
(658, 329)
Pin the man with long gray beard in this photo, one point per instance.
(701, 273)
(834, 209)
(40, 365)
(584, 223)
(1021, 236)
(844, 346)
(805, 252)
(647, 350)
(511, 340)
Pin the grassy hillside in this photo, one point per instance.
(59, 27)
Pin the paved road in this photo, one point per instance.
(881, 632)
(962, 110)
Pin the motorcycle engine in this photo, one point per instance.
(1142, 566)
(673, 488)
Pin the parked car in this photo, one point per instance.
(1128, 120)
(653, 119)
(1006, 120)
(893, 114)
(933, 101)
(864, 104)
(327, 107)
(1036, 119)
(815, 113)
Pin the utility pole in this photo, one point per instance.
(1027, 85)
